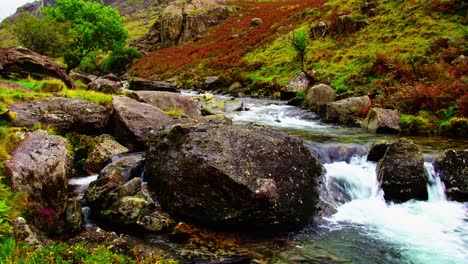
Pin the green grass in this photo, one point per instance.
(9, 96)
(88, 95)
(403, 29)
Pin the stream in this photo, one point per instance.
(364, 229)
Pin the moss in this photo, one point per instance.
(175, 113)
(415, 125)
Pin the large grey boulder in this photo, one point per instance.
(300, 83)
(40, 166)
(452, 167)
(401, 172)
(167, 101)
(236, 176)
(18, 62)
(346, 111)
(135, 121)
(318, 96)
(62, 115)
(383, 121)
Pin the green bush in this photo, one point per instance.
(118, 61)
(415, 125)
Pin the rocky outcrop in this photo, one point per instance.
(401, 172)
(28, 234)
(318, 96)
(17, 63)
(377, 151)
(81, 76)
(101, 153)
(140, 84)
(183, 21)
(118, 197)
(347, 24)
(452, 167)
(134, 121)
(105, 86)
(234, 176)
(382, 121)
(346, 111)
(40, 167)
(62, 114)
(169, 101)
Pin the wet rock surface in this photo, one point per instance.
(401, 172)
(234, 176)
(452, 167)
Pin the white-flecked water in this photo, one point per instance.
(366, 229)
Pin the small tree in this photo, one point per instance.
(300, 40)
(91, 26)
(40, 35)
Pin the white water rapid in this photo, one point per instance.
(422, 232)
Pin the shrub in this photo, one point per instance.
(415, 125)
(118, 61)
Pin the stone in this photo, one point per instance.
(401, 172)
(452, 167)
(236, 176)
(29, 234)
(167, 101)
(140, 84)
(300, 83)
(382, 121)
(318, 96)
(377, 151)
(346, 111)
(105, 86)
(81, 76)
(211, 83)
(256, 21)
(21, 63)
(40, 166)
(100, 154)
(62, 115)
(135, 121)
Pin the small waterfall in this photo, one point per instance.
(80, 185)
(418, 228)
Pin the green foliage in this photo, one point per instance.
(9, 96)
(415, 125)
(455, 127)
(88, 95)
(119, 60)
(5, 226)
(300, 41)
(92, 26)
(43, 36)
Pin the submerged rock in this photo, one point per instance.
(40, 166)
(234, 176)
(401, 172)
(452, 167)
(62, 115)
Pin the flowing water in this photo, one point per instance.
(366, 229)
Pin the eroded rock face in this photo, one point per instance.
(135, 121)
(384, 121)
(62, 114)
(452, 167)
(401, 172)
(183, 21)
(169, 101)
(346, 111)
(40, 166)
(18, 62)
(234, 176)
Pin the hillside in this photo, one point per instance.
(407, 55)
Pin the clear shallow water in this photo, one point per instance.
(366, 229)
